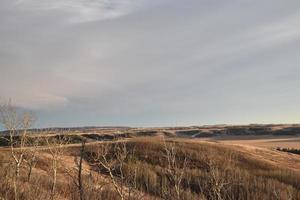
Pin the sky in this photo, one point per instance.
(151, 62)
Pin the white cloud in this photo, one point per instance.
(86, 10)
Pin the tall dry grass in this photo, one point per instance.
(212, 171)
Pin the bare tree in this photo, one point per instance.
(17, 123)
(131, 182)
(217, 177)
(111, 157)
(80, 184)
(55, 146)
(176, 166)
(31, 154)
(77, 176)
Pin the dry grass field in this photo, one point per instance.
(266, 149)
(122, 163)
(158, 167)
(267, 141)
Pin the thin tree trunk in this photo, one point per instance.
(80, 185)
(15, 188)
(16, 180)
(17, 170)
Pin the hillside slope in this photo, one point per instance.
(208, 170)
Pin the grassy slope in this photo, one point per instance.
(249, 173)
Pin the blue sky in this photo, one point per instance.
(152, 62)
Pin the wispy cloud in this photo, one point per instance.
(86, 10)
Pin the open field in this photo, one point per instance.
(268, 141)
(156, 163)
(264, 147)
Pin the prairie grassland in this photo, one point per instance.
(268, 141)
(153, 168)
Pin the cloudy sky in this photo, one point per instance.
(152, 62)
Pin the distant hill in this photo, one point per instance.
(110, 133)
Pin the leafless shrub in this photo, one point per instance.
(104, 158)
(176, 167)
(218, 179)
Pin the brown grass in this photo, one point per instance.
(247, 172)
